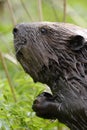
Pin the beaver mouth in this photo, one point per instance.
(19, 45)
(19, 54)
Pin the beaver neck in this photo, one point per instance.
(51, 76)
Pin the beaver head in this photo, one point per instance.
(48, 51)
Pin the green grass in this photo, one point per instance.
(19, 115)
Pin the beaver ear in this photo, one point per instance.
(77, 42)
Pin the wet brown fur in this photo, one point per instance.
(52, 58)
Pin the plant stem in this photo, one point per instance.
(11, 12)
(7, 75)
(64, 10)
(26, 10)
(40, 10)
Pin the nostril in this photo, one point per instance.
(15, 30)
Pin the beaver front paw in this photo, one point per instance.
(44, 106)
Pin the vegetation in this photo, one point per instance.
(17, 89)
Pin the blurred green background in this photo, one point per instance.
(17, 90)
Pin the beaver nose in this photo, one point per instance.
(15, 30)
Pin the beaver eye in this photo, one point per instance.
(43, 31)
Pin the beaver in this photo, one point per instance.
(56, 54)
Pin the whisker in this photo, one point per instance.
(18, 49)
